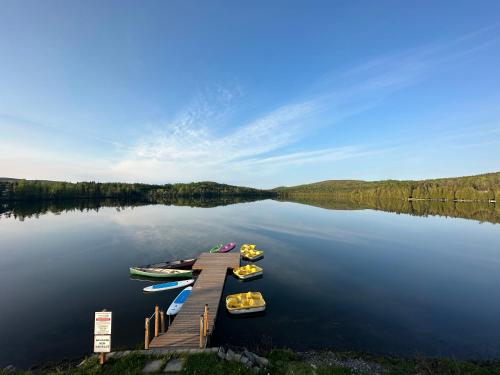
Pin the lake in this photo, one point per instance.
(343, 279)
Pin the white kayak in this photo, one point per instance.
(166, 286)
(176, 306)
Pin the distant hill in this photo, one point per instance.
(33, 190)
(484, 187)
(7, 179)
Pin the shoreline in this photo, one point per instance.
(276, 361)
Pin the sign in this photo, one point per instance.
(102, 343)
(102, 333)
(102, 323)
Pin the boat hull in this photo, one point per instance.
(247, 311)
(251, 276)
(258, 257)
(227, 247)
(160, 275)
(177, 264)
(215, 249)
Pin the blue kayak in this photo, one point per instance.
(176, 306)
(166, 286)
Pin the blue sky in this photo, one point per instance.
(254, 93)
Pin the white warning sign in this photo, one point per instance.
(102, 343)
(102, 323)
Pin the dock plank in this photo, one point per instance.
(184, 332)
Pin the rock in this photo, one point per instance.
(230, 355)
(261, 361)
(237, 357)
(256, 369)
(214, 349)
(246, 361)
(10, 368)
(221, 353)
(250, 355)
(121, 354)
(152, 366)
(174, 366)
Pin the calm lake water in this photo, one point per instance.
(360, 280)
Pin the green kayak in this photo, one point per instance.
(216, 248)
(160, 272)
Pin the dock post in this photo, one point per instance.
(201, 331)
(205, 319)
(157, 320)
(146, 334)
(162, 321)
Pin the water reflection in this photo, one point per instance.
(484, 212)
(22, 210)
(343, 279)
(481, 211)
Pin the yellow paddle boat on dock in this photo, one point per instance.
(248, 271)
(245, 303)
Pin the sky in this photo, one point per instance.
(254, 93)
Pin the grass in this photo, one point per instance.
(438, 366)
(127, 365)
(334, 371)
(286, 362)
(209, 363)
(282, 362)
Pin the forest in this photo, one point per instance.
(31, 190)
(480, 188)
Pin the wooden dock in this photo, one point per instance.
(184, 332)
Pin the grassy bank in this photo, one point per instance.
(281, 362)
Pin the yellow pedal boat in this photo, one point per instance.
(247, 246)
(248, 271)
(245, 303)
(252, 254)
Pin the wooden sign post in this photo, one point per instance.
(102, 334)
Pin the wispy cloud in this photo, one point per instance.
(187, 139)
(316, 156)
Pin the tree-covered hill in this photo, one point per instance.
(484, 187)
(50, 190)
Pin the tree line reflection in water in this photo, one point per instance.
(483, 212)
